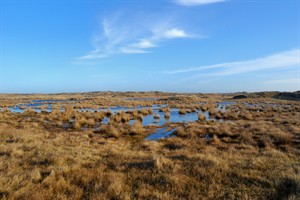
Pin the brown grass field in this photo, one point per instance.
(248, 152)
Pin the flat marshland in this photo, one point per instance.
(99, 146)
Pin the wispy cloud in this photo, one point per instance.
(174, 33)
(278, 60)
(196, 2)
(282, 81)
(125, 35)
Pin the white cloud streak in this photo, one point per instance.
(126, 36)
(282, 81)
(196, 2)
(174, 33)
(280, 60)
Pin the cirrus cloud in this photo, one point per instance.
(197, 2)
(124, 35)
(283, 59)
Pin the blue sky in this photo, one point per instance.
(142, 45)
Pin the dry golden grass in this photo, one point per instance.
(201, 117)
(112, 131)
(41, 165)
(145, 111)
(253, 155)
(137, 128)
(182, 111)
(167, 115)
(181, 132)
(156, 116)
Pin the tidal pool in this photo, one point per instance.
(175, 117)
(36, 105)
(159, 120)
(161, 133)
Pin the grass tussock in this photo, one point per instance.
(137, 128)
(112, 131)
(167, 115)
(182, 111)
(201, 117)
(156, 116)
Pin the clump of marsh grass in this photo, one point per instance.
(245, 115)
(121, 117)
(204, 108)
(90, 122)
(77, 125)
(110, 130)
(146, 111)
(137, 128)
(201, 117)
(150, 111)
(81, 119)
(182, 111)
(216, 140)
(280, 137)
(138, 117)
(99, 116)
(167, 115)
(161, 163)
(180, 132)
(108, 113)
(143, 112)
(212, 112)
(156, 116)
(115, 118)
(230, 115)
(247, 138)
